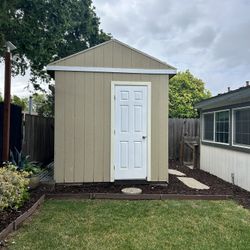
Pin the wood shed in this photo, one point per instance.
(225, 136)
(111, 115)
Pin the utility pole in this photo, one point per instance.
(7, 96)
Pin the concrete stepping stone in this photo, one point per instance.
(175, 172)
(131, 190)
(192, 183)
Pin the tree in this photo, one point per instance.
(184, 92)
(45, 30)
(23, 102)
(43, 104)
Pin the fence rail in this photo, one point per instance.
(38, 138)
(178, 128)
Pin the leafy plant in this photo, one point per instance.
(13, 187)
(22, 162)
(185, 90)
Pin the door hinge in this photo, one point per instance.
(114, 166)
(114, 97)
(114, 131)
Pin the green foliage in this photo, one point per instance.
(184, 92)
(45, 30)
(43, 104)
(1, 98)
(22, 163)
(13, 187)
(23, 102)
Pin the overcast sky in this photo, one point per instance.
(211, 38)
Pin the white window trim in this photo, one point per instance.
(112, 149)
(213, 141)
(232, 132)
(203, 123)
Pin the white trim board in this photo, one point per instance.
(112, 70)
(112, 145)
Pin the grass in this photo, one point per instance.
(99, 224)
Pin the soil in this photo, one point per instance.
(217, 187)
(9, 215)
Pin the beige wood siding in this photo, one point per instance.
(112, 54)
(82, 125)
(223, 163)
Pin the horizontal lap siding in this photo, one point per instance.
(222, 163)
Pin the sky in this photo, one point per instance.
(211, 38)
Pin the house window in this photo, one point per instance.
(208, 127)
(241, 133)
(222, 127)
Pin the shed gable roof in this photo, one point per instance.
(112, 54)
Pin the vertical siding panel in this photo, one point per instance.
(89, 127)
(69, 126)
(163, 128)
(126, 77)
(139, 61)
(126, 57)
(89, 58)
(155, 112)
(98, 57)
(98, 127)
(79, 127)
(108, 55)
(59, 127)
(117, 55)
(106, 126)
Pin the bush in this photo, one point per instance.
(13, 187)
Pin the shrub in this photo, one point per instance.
(13, 187)
(22, 163)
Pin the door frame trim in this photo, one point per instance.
(112, 144)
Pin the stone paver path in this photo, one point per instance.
(192, 183)
(175, 172)
(132, 190)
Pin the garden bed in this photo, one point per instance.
(9, 215)
(218, 187)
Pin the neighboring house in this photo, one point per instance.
(111, 115)
(225, 132)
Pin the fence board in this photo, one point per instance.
(178, 128)
(38, 138)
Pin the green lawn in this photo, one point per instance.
(99, 224)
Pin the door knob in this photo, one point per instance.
(144, 137)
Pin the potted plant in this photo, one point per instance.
(23, 164)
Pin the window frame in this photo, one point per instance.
(229, 126)
(203, 126)
(214, 132)
(233, 127)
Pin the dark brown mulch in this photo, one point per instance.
(7, 216)
(217, 186)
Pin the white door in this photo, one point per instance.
(131, 132)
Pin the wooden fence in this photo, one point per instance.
(38, 138)
(178, 128)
